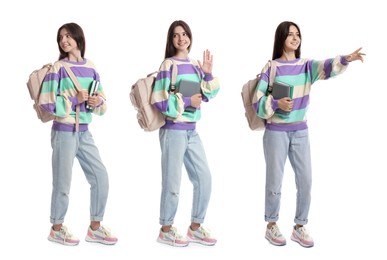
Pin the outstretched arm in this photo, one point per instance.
(356, 55)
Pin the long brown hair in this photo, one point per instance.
(76, 33)
(281, 34)
(170, 50)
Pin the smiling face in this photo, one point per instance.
(66, 42)
(181, 41)
(293, 40)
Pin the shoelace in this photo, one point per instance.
(66, 233)
(106, 231)
(275, 230)
(176, 235)
(204, 232)
(303, 233)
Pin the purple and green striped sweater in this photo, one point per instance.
(172, 105)
(58, 95)
(301, 73)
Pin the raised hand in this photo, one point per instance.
(207, 62)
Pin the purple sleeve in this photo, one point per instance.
(187, 101)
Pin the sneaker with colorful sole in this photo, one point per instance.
(63, 236)
(301, 236)
(172, 238)
(274, 236)
(201, 236)
(101, 235)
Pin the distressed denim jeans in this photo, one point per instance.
(65, 147)
(278, 146)
(180, 147)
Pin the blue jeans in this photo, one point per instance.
(178, 147)
(65, 147)
(277, 147)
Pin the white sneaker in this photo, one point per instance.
(63, 236)
(172, 238)
(101, 235)
(274, 236)
(301, 236)
(201, 236)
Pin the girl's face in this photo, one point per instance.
(67, 43)
(181, 41)
(293, 40)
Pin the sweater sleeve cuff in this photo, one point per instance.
(102, 101)
(274, 104)
(208, 77)
(343, 60)
(187, 101)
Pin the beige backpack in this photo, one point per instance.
(34, 85)
(248, 93)
(148, 117)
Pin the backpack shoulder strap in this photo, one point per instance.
(172, 87)
(72, 76)
(196, 66)
(273, 70)
(79, 89)
(174, 72)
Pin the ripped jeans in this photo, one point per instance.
(66, 146)
(178, 147)
(277, 147)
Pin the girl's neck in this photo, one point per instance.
(181, 55)
(75, 57)
(288, 56)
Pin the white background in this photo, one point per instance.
(126, 42)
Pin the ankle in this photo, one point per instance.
(298, 226)
(56, 227)
(94, 225)
(166, 229)
(194, 226)
(270, 224)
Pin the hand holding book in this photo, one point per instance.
(283, 93)
(92, 91)
(188, 89)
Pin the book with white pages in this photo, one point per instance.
(93, 88)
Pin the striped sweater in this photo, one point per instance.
(300, 73)
(172, 105)
(58, 95)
